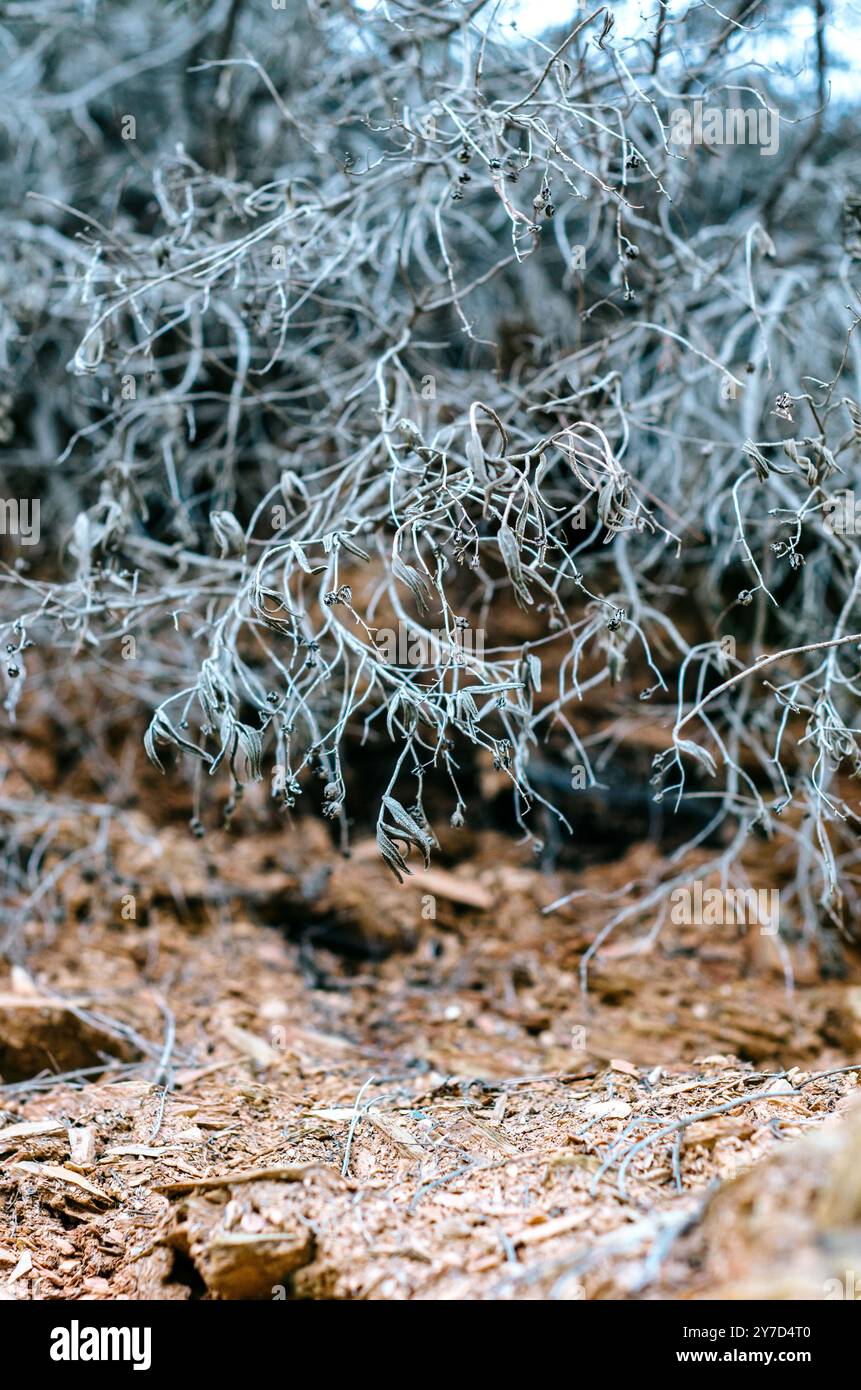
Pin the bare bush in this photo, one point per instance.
(329, 320)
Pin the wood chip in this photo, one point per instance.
(24, 1265)
(53, 1170)
(708, 1132)
(295, 1172)
(546, 1230)
(446, 885)
(29, 1129)
(396, 1132)
(607, 1109)
(250, 1046)
(134, 1151)
(496, 1137)
(82, 1146)
(239, 1265)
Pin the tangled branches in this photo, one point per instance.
(387, 320)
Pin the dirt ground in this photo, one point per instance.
(241, 1066)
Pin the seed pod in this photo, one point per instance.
(510, 553)
(228, 533)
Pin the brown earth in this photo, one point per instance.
(244, 1067)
